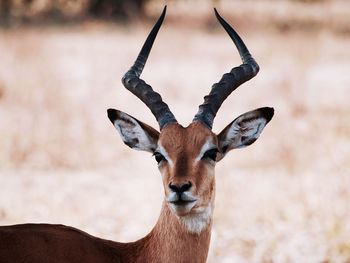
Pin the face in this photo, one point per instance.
(186, 160)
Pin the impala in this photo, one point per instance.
(186, 158)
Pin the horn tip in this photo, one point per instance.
(216, 12)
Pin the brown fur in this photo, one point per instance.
(169, 241)
(183, 146)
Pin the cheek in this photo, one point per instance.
(209, 188)
(205, 182)
(165, 173)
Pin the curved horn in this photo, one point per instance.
(229, 81)
(140, 88)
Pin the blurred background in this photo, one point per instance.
(286, 198)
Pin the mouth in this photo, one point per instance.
(181, 198)
(181, 204)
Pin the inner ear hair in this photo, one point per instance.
(244, 130)
(134, 133)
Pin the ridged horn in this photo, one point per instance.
(229, 81)
(131, 81)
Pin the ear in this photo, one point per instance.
(134, 133)
(244, 130)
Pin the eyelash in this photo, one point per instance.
(159, 157)
(210, 154)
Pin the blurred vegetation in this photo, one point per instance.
(14, 12)
(287, 15)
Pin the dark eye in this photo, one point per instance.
(210, 154)
(159, 157)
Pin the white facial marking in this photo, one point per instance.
(161, 150)
(196, 223)
(182, 210)
(206, 146)
(186, 196)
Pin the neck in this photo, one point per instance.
(175, 239)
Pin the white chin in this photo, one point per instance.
(182, 210)
(198, 220)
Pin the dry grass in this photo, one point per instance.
(284, 199)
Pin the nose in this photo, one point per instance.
(180, 188)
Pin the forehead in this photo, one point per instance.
(176, 139)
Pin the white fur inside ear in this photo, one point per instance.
(133, 134)
(243, 132)
(252, 128)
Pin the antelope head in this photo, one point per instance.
(186, 156)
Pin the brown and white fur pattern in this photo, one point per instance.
(188, 156)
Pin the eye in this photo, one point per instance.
(210, 154)
(159, 157)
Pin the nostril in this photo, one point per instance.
(180, 188)
(185, 187)
(174, 187)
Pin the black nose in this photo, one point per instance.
(180, 188)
